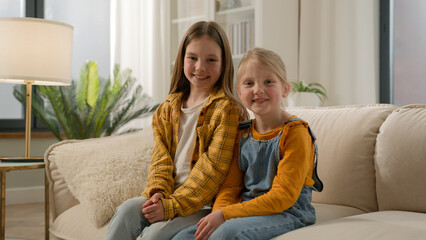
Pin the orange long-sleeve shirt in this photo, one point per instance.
(294, 171)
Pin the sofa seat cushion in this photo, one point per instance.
(74, 224)
(385, 225)
(328, 212)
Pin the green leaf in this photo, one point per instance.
(56, 101)
(313, 87)
(82, 85)
(48, 118)
(102, 111)
(92, 84)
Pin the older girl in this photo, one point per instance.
(194, 136)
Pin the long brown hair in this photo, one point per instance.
(179, 82)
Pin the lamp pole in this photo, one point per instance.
(28, 119)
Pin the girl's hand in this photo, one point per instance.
(208, 224)
(153, 208)
(154, 199)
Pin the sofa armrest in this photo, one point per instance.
(60, 197)
(60, 193)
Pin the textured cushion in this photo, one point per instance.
(401, 160)
(386, 225)
(102, 173)
(59, 194)
(346, 138)
(66, 226)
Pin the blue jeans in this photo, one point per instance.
(128, 223)
(301, 214)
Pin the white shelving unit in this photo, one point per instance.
(271, 24)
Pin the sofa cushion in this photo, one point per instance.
(74, 224)
(102, 173)
(59, 194)
(346, 138)
(401, 160)
(328, 212)
(386, 225)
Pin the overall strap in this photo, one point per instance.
(245, 127)
(246, 124)
(318, 185)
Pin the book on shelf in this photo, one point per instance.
(241, 37)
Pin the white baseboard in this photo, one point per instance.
(25, 195)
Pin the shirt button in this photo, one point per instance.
(193, 162)
(201, 113)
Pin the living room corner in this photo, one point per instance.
(363, 59)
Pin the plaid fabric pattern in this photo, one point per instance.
(216, 132)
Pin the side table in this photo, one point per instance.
(7, 165)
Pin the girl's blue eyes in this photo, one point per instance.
(251, 83)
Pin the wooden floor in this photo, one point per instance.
(25, 221)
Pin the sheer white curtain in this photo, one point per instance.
(339, 48)
(138, 42)
(138, 30)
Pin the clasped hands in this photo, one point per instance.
(153, 208)
(154, 212)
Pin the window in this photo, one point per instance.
(11, 111)
(403, 52)
(91, 21)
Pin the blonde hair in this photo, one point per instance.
(265, 58)
(179, 82)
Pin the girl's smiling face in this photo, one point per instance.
(202, 64)
(261, 90)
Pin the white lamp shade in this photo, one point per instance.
(35, 50)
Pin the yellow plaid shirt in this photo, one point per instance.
(216, 132)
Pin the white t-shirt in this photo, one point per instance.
(187, 136)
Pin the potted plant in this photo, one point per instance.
(92, 106)
(303, 94)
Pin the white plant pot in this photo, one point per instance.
(298, 99)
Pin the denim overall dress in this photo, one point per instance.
(259, 159)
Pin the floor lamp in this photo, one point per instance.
(34, 51)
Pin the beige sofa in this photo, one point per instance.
(372, 160)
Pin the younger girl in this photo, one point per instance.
(268, 189)
(194, 136)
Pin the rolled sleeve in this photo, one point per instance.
(160, 177)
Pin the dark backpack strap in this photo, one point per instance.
(244, 125)
(318, 185)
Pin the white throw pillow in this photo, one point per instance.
(104, 172)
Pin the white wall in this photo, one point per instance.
(339, 48)
(90, 20)
(278, 31)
